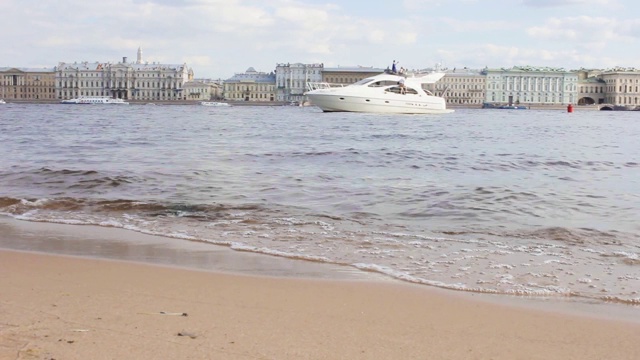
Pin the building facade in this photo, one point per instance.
(251, 85)
(25, 84)
(292, 80)
(591, 88)
(202, 90)
(461, 87)
(123, 80)
(348, 75)
(529, 85)
(622, 87)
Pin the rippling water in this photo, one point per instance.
(512, 202)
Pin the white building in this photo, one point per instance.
(124, 80)
(292, 80)
(530, 85)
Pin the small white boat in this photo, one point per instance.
(213, 103)
(2, 101)
(95, 100)
(384, 93)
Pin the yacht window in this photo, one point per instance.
(382, 83)
(396, 90)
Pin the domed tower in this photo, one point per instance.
(139, 60)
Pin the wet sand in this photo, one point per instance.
(63, 307)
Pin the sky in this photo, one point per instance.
(218, 38)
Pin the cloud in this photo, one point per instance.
(220, 37)
(586, 29)
(458, 25)
(559, 3)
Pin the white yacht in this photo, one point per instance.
(94, 100)
(213, 103)
(384, 93)
(2, 101)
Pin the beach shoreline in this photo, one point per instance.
(71, 307)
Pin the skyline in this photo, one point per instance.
(219, 38)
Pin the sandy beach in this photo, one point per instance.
(59, 307)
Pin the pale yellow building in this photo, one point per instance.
(348, 75)
(202, 90)
(622, 87)
(25, 84)
(461, 87)
(251, 85)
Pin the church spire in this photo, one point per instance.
(139, 61)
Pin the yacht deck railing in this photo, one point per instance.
(322, 85)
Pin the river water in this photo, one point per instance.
(534, 202)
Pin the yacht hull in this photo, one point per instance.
(400, 104)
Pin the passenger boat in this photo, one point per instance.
(2, 101)
(213, 103)
(94, 100)
(384, 93)
(504, 107)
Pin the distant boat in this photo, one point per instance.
(508, 107)
(513, 107)
(94, 100)
(213, 103)
(2, 101)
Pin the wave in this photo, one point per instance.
(21, 206)
(68, 179)
(254, 232)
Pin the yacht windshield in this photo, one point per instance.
(363, 81)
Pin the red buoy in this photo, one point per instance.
(570, 108)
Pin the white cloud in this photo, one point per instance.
(585, 29)
(220, 37)
(558, 3)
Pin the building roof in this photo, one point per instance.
(138, 67)
(353, 69)
(23, 69)
(537, 69)
(251, 75)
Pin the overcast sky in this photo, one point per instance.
(218, 38)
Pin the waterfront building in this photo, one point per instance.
(251, 85)
(527, 85)
(202, 90)
(591, 88)
(348, 75)
(622, 86)
(27, 84)
(292, 80)
(461, 87)
(122, 80)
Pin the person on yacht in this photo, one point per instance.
(403, 89)
(393, 67)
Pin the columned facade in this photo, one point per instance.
(531, 86)
(123, 80)
(292, 80)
